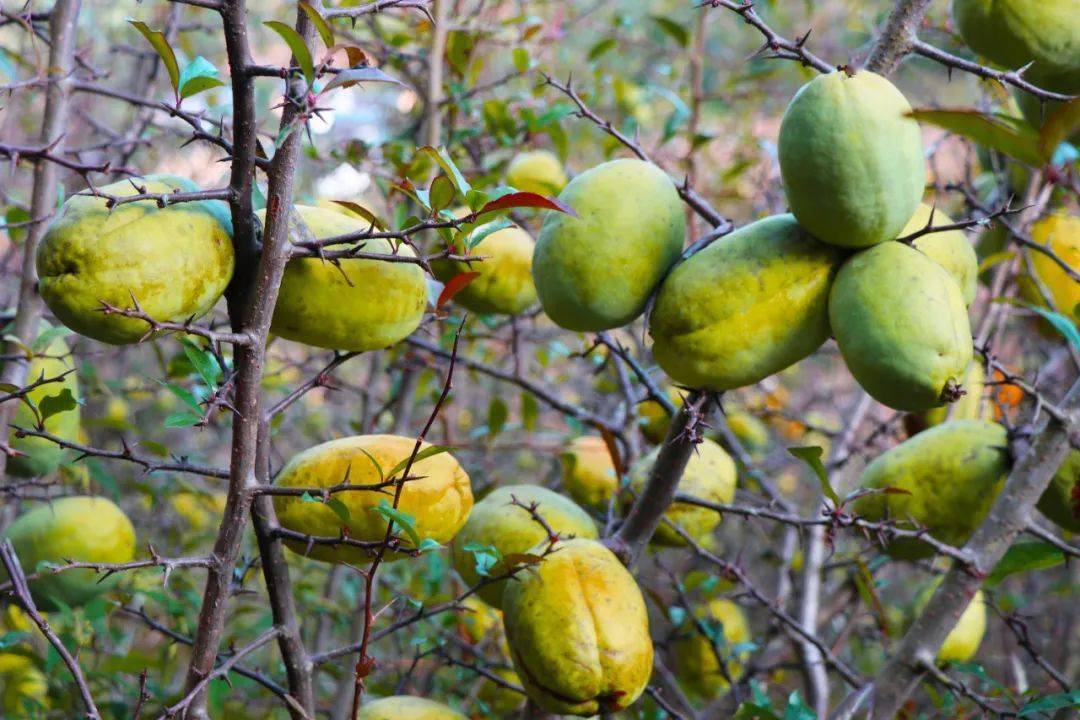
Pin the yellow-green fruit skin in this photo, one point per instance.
(949, 249)
(902, 326)
(357, 304)
(501, 701)
(971, 406)
(175, 261)
(24, 689)
(1014, 33)
(950, 473)
(511, 530)
(710, 475)
(696, 665)
(963, 640)
(588, 473)
(745, 307)
(597, 270)
(536, 171)
(407, 707)
(851, 162)
(1061, 233)
(42, 457)
(578, 631)
(1061, 500)
(505, 284)
(438, 500)
(79, 528)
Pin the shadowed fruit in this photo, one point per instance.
(477, 620)
(1015, 33)
(902, 327)
(1060, 233)
(972, 406)
(501, 701)
(578, 631)
(696, 665)
(949, 475)
(963, 640)
(745, 307)
(596, 271)
(80, 528)
(852, 162)
(42, 456)
(536, 171)
(407, 707)
(588, 473)
(653, 419)
(356, 304)
(505, 284)
(710, 475)
(949, 249)
(438, 498)
(175, 261)
(495, 522)
(1061, 500)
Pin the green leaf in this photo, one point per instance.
(1061, 323)
(352, 76)
(797, 709)
(672, 29)
(428, 545)
(478, 235)
(1061, 124)
(811, 455)
(443, 159)
(198, 75)
(400, 518)
(597, 50)
(46, 338)
(185, 396)
(1023, 557)
(307, 497)
(203, 361)
(297, 45)
(997, 132)
(442, 192)
(158, 41)
(486, 557)
(340, 509)
(321, 26)
(753, 711)
(530, 411)
(183, 419)
(54, 404)
(1050, 703)
(429, 451)
(362, 212)
(521, 59)
(497, 415)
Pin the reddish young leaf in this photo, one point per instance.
(454, 286)
(526, 199)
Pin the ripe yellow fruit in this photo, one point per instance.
(80, 528)
(597, 270)
(477, 620)
(505, 284)
(357, 304)
(588, 472)
(42, 456)
(511, 530)
(852, 162)
(201, 510)
(1061, 500)
(696, 665)
(747, 306)
(24, 688)
(963, 640)
(653, 419)
(175, 261)
(710, 475)
(1060, 233)
(1014, 33)
(407, 707)
(949, 249)
(902, 326)
(578, 631)
(950, 475)
(536, 171)
(751, 430)
(499, 701)
(438, 499)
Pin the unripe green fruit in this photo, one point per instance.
(356, 304)
(745, 307)
(1061, 500)
(710, 475)
(949, 249)
(407, 707)
(852, 162)
(578, 631)
(86, 529)
(174, 261)
(902, 327)
(972, 406)
(951, 475)
(536, 171)
(1014, 33)
(42, 456)
(438, 496)
(505, 284)
(963, 641)
(695, 660)
(511, 530)
(596, 271)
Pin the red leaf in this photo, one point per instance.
(526, 199)
(454, 286)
